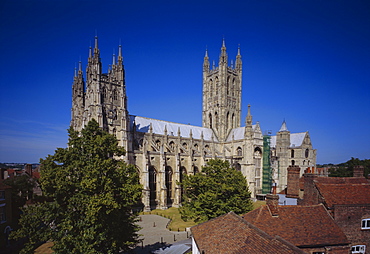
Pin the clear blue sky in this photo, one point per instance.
(305, 61)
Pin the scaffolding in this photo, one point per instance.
(266, 171)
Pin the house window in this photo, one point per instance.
(365, 224)
(358, 249)
(2, 195)
(2, 213)
(318, 252)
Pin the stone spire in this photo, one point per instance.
(120, 58)
(283, 126)
(238, 62)
(96, 48)
(206, 62)
(223, 55)
(248, 123)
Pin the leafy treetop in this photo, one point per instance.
(217, 190)
(346, 169)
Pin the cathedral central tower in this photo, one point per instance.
(222, 88)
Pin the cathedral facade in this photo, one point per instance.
(163, 152)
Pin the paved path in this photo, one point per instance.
(155, 234)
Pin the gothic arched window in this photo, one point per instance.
(239, 151)
(185, 145)
(152, 186)
(233, 88)
(227, 121)
(216, 85)
(216, 119)
(292, 153)
(227, 85)
(103, 94)
(172, 145)
(306, 153)
(233, 125)
(115, 97)
(210, 120)
(182, 175)
(168, 182)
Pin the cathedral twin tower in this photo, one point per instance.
(164, 152)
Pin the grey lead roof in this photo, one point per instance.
(142, 124)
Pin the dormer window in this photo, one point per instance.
(365, 223)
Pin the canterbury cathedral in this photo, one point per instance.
(163, 152)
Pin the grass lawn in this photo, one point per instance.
(176, 222)
(258, 204)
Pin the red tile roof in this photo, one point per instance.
(344, 194)
(36, 175)
(303, 226)
(341, 180)
(229, 233)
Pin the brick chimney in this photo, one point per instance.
(293, 182)
(310, 196)
(358, 171)
(28, 169)
(272, 201)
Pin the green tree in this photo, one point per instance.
(93, 193)
(346, 169)
(217, 190)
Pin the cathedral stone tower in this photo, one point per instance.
(105, 97)
(222, 94)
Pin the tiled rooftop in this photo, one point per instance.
(303, 226)
(231, 234)
(344, 194)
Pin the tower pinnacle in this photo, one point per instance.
(206, 62)
(249, 116)
(283, 126)
(223, 56)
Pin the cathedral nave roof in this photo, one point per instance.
(142, 124)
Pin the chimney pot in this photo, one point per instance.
(272, 201)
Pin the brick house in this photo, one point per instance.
(230, 233)
(348, 201)
(309, 228)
